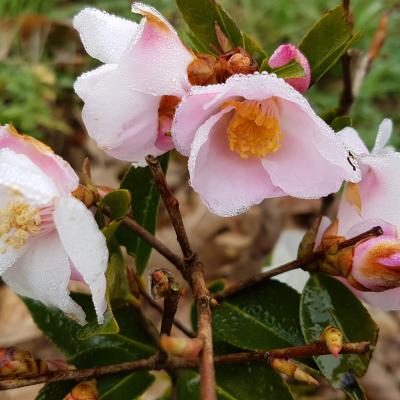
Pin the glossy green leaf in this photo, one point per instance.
(291, 70)
(236, 382)
(118, 201)
(260, 318)
(201, 17)
(326, 301)
(117, 281)
(66, 334)
(341, 122)
(123, 386)
(145, 201)
(326, 41)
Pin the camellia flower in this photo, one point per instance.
(286, 53)
(130, 101)
(255, 137)
(45, 233)
(373, 267)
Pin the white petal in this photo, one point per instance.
(43, 273)
(18, 172)
(285, 251)
(85, 246)
(383, 136)
(352, 141)
(104, 36)
(88, 80)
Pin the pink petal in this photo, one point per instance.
(227, 184)
(157, 60)
(191, 114)
(53, 166)
(123, 122)
(323, 226)
(387, 300)
(367, 224)
(309, 164)
(380, 188)
(105, 36)
(286, 53)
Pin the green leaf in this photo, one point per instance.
(66, 334)
(201, 17)
(118, 201)
(290, 70)
(123, 386)
(145, 201)
(236, 382)
(326, 41)
(341, 122)
(326, 301)
(117, 281)
(261, 318)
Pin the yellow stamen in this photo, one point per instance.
(18, 221)
(254, 129)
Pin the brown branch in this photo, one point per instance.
(176, 363)
(347, 97)
(149, 238)
(295, 264)
(152, 303)
(193, 273)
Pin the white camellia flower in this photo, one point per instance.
(130, 100)
(46, 235)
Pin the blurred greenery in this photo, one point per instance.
(41, 55)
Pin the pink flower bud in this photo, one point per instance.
(286, 53)
(376, 263)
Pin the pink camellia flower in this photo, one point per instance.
(255, 137)
(379, 191)
(45, 233)
(286, 53)
(131, 99)
(375, 265)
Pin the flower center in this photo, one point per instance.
(254, 131)
(18, 221)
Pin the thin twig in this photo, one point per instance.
(149, 238)
(160, 309)
(295, 264)
(193, 273)
(347, 97)
(176, 363)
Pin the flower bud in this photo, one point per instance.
(376, 264)
(201, 70)
(292, 370)
(16, 362)
(160, 283)
(333, 339)
(181, 347)
(87, 196)
(83, 391)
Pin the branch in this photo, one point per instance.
(175, 363)
(299, 263)
(157, 307)
(347, 97)
(193, 273)
(149, 238)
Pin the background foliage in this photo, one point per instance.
(40, 57)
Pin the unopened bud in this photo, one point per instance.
(181, 347)
(201, 71)
(241, 63)
(83, 391)
(160, 283)
(89, 197)
(292, 370)
(15, 362)
(333, 339)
